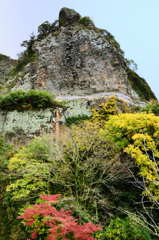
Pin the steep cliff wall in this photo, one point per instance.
(77, 62)
(74, 60)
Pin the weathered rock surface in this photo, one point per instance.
(24, 126)
(74, 61)
(28, 124)
(76, 64)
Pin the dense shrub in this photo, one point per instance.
(20, 100)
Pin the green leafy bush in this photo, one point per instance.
(20, 100)
(122, 229)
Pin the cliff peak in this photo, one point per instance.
(68, 16)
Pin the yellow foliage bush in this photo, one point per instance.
(138, 135)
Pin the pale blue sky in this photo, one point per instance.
(134, 23)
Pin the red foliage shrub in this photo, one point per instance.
(59, 223)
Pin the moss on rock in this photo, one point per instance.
(140, 86)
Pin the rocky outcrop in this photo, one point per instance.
(74, 60)
(77, 64)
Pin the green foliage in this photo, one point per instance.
(20, 100)
(151, 108)
(45, 28)
(75, 166)
(86, 21)
(85, 169)
(31, 170)
(136, 109)
(76, 119)
(140, 86)
(6, 151)
(123, 229)
(89, 170)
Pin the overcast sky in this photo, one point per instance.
(134, 24)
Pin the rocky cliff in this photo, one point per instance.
(75, 61)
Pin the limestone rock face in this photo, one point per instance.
(68, 16)
(78, 63)
(74, 61)
(26, 125)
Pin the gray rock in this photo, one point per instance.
(68, 16)
(80, 63)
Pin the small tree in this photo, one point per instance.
(44, 28)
